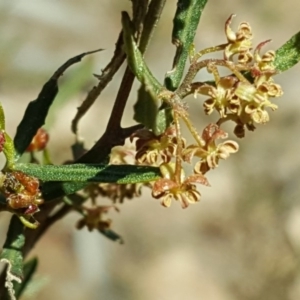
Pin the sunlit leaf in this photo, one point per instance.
(135, 58)
(121, 174)
(289, 54)
(186, 21)
(2, 118)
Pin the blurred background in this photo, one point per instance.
(242, 241)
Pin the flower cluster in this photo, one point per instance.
(175, 184)
(239, 42)
(21, 191)
(244, 96)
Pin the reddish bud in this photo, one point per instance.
(39, 141)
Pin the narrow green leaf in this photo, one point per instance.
(68, 179)
(29, 269)
(12, 254)
(186, 21)
(8, 146)
(135, 58)
(121, 174)
(289, 54)
(37, 110)
(9, 151)
(2, 118)
(147, 109)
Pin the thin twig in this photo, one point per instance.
(106, 76)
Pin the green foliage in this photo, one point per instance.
(121, 174)
(12, 254)
(8, 147)
(28, 270)
(147, 109)
(2, 118)
(289, 54)
(157, 107)
(135, 59)
(186, 21)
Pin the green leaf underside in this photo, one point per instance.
(121, 174)
(37, 110)
(289, 54)
(146, 109)
(163, 120)
(148, 112)
(186, 21)
(12, 253)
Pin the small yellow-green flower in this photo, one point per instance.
(220, 95)
(264, 63)
(256, 99)
(239, 42)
